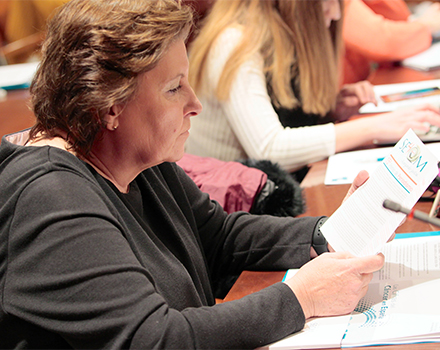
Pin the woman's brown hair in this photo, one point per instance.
(93, 53)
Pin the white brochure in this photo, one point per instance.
(361, 225)
(343, 167)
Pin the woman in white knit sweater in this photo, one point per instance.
(266, 73)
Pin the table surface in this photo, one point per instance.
(325, 199)
(15, 113)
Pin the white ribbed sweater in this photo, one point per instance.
(246, 125)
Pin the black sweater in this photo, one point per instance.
(84, 266)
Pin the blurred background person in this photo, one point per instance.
(268, 76)
(380, 32)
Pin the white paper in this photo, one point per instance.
(400, 307)
(426, 60)
(386, 89)
(343, 167)
(17, 75)
(361, 225)
(318, 333)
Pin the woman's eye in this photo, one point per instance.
(173, 91)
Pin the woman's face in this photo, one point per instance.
(332, 11)
(156, 121)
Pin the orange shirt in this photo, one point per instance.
(378, 31)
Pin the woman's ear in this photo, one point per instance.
(111, 118)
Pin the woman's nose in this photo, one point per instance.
(194, 106)
(335, 9)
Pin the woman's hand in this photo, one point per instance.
(333, 284)
(390, 127)
(358, 181)
(352, 97)
(385, 127)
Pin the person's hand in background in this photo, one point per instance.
(351, 97)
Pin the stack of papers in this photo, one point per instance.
(17, 76)
(400, 307)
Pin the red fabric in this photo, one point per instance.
(232, 184)
(378, 31)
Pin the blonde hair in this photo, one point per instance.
(294, 41)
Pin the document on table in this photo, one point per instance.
(426, 60)
(17, 76)
(400, 307)
(361, 225)
(394, 96)
(343, 167)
